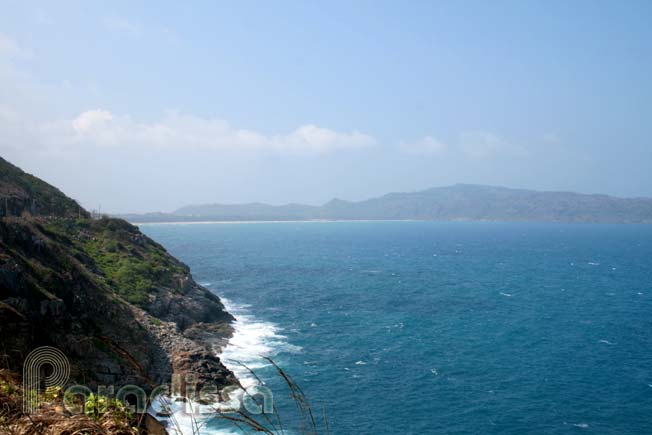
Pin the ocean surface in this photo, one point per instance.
(438, 328)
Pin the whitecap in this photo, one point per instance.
(593, 263)
(434, 371)
(606, 342)
(506, 294)
(581, 425)
(185, 417)
(252, 339)
(360, 363)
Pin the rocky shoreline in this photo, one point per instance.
(52, 294)
(121, 309)
(193, 343)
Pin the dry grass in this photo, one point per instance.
(272, 424)
(51, 418)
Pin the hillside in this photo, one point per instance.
(458, 202)
(114, 301)
(21, 192)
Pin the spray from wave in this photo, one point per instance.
(252, 339)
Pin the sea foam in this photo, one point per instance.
(252, 340)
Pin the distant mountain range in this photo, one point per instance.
(458, 202)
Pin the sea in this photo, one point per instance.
(436, 327)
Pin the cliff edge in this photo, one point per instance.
(114, 301)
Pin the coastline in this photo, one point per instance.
(249, 339)
(311, 221)
(460, 220)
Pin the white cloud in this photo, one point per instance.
(482, 144)
(426, 145)
(87, 120)
(121, 26)
(319, 139)
(11, 49)
(101, 128)
(471, 144)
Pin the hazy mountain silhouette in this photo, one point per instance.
(458, 202)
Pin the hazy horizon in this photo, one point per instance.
(141, 109)
(206, 203)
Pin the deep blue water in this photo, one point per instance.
(443, 328)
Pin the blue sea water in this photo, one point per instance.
(440, 328)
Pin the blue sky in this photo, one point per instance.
(150, 106)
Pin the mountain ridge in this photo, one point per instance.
(22, 192)
(456, 202)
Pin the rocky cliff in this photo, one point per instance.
(114, 301)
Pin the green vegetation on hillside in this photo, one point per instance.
(78, 284)
(131, 263)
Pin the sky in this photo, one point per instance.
(150, 106)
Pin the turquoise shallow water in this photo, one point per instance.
(442, 328)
